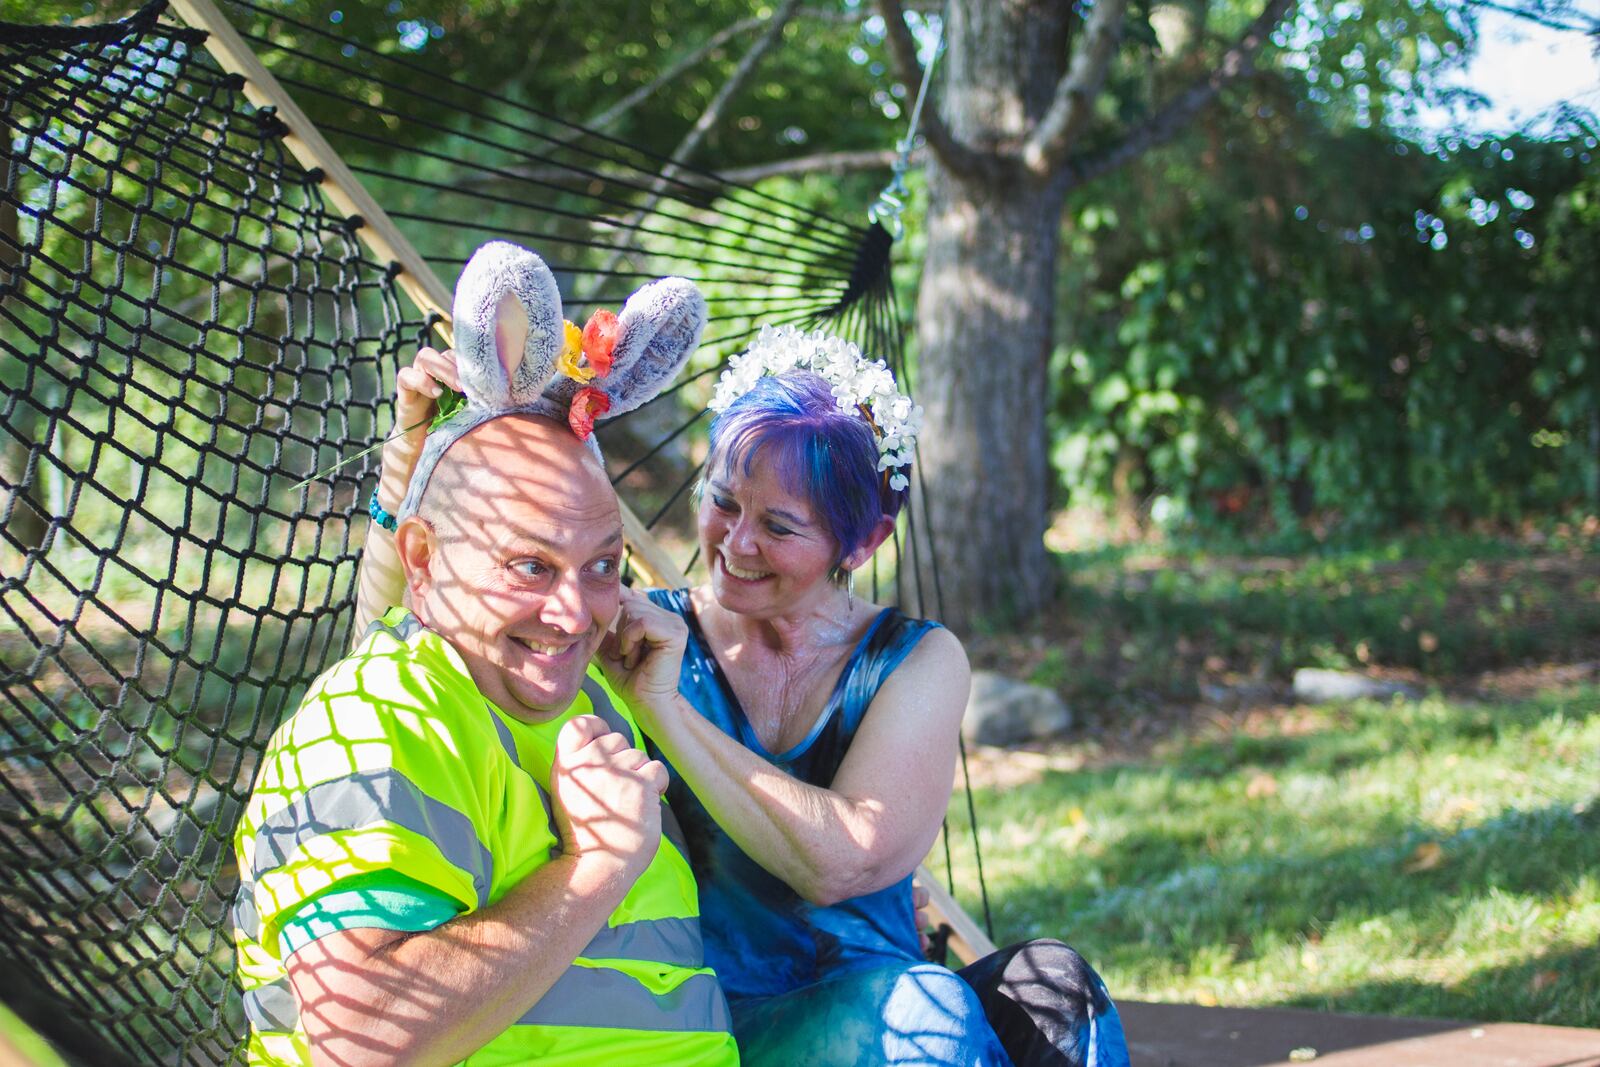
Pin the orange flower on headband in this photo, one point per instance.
(599, 339)
(589, 404)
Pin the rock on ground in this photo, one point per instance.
(1004, 711)
(1315, 686)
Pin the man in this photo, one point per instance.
(454, 848)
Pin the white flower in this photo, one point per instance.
(855, 381)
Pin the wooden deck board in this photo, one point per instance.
(1187, 1035)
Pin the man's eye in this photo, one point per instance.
(530, 568)
(606, 567)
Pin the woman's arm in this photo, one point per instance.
(881, 813)
(380, 583)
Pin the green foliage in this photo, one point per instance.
(1430, 859)
(1286, 314)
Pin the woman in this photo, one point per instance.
(815, 737)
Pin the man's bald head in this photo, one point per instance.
(514, 557)
(523, 454)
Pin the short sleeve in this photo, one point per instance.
(381, 901)
(379, 773)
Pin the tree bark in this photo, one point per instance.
(985, 317)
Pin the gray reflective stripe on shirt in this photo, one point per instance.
(550, 818)
(582, 996)
(674, 941)
(507, 742)
(272, 1006)
(672, 831)
(601, 705)
(363, 800)
(610, 1000)
(246, 919)
(407, 628)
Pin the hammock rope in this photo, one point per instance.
(189, 327)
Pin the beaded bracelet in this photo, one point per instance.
(380, 516)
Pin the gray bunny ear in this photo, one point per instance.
(658, 330)
(508, 329)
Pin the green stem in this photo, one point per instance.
(449, 404)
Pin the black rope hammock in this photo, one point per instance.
(187, 330)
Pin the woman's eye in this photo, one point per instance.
(779, 531)
(721, 503)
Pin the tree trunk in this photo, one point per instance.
(985, 318)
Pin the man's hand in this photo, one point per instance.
(643, 654)
(607, 797)
(920, 898)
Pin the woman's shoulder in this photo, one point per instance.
(899, 642)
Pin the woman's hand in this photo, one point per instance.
(642, 656)
(417, 390)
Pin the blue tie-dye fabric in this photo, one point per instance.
(761, 936)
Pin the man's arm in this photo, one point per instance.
(381, 581)
(386, 997)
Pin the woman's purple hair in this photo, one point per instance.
(825, 456)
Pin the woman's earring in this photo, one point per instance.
(850, 591)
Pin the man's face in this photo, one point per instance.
(524, 574)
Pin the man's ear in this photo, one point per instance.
(880, 533)
(418, 547)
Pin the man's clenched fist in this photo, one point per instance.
(607, 796)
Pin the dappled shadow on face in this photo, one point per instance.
(523, 575)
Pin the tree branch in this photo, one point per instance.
(702, 126)
(1047, 146)
(821, 163)
(1236, 63)
(957, 157)
(644, 92)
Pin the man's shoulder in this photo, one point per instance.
(402, 686)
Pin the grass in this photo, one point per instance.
(1202, 838)
(1438, 858)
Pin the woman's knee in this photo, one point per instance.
(927, 987)
(931, 1016)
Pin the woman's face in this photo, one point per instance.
(766, 548)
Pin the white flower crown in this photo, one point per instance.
(860, 387)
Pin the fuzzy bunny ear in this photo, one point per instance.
(508, 338)
(508, 330)
(658, 329)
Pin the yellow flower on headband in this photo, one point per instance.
(571, 352)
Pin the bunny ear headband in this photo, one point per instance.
(516, 355)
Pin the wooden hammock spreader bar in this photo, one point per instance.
(417, 279)
(377, 230)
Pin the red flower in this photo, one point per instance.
(599, 338)
(588, 405)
